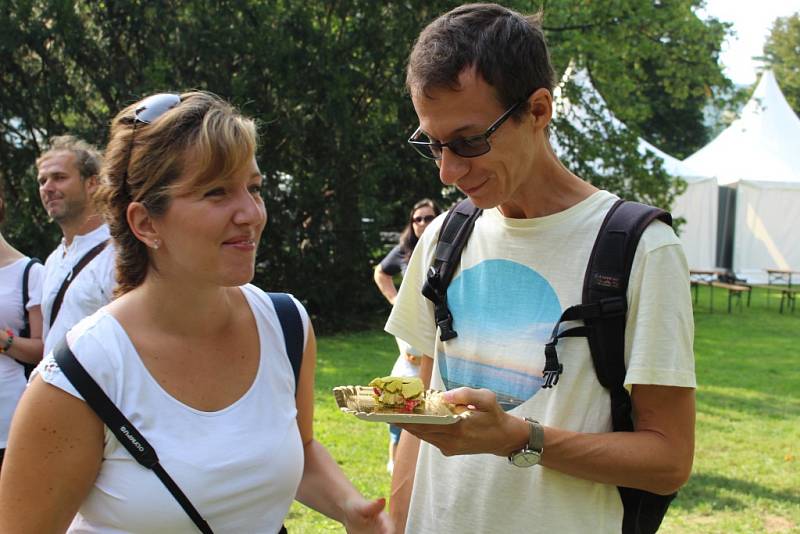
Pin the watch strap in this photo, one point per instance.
(536, 436)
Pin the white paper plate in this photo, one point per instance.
(358, 400)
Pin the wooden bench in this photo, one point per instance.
(734, 290)
(789, 295)
(770, 289)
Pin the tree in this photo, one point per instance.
(655, 63)
(326, 81)
(782, 55)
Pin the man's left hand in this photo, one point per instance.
(487, 429)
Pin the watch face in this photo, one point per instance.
(525, 458)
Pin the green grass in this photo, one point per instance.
(746, 474)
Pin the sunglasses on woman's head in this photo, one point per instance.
(419, 219)
(148, 110)
(154, 106)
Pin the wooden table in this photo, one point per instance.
(706, 277)
(780, 276)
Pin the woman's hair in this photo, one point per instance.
(143, 162)
(408, 239)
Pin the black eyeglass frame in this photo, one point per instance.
(425, 148)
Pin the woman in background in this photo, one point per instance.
(19, 342)
(408, 361)
(189, 351)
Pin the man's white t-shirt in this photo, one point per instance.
(240, 466)
(12, 377)
(89, 291)
(516, 277)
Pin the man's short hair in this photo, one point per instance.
(87, 158)
(506, 48)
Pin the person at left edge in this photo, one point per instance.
(68, 179)
(189, 351)
(14, 346)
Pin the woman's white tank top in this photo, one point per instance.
(240, 466)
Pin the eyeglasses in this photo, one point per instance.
(465, 147)
(150, 109)
(419, 219)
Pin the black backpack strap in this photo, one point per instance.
(456, 229)
(293, 333)
(83, 262)
(606, 284)
(125, 432)
(25, 331)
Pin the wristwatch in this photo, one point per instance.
(531, 453)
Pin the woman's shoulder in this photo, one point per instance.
(257, 296)
(263, 305)
(98, 343)
(99, 331)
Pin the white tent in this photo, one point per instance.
(592, 107)
(698, 204)
(759, 155)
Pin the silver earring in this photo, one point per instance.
(156, 244)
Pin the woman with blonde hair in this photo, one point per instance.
(189, 352)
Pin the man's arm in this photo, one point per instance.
(405, 463)
(657, 456)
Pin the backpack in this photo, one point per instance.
(130, 437)
(603, 308)
(25, 331)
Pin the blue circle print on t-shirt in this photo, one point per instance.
(504, 312)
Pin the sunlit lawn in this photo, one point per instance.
(747, 462)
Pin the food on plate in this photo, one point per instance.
(400, 393)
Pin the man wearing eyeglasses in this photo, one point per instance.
(79, 273)
(481, 84)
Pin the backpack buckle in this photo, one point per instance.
(552, 367)
(445, 325)
(431, 287)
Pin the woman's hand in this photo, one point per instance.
(413, 360)
(366, 516)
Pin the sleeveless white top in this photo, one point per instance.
(240, 466)
(12, 377)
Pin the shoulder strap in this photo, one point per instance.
(293, 334)
(125, 432)
(25, 331)
(606, 284)
(84, 261)
(453, 235)
(605, 304)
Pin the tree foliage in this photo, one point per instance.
(782, 55)
(325, 81)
